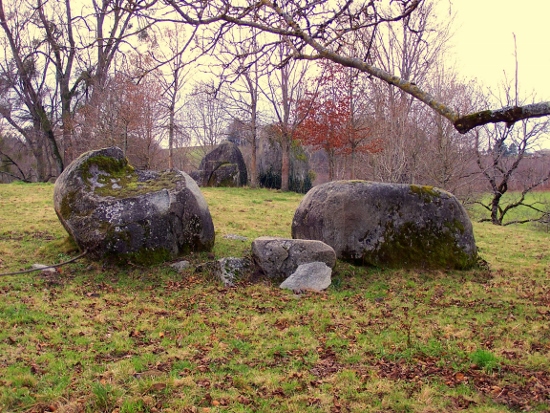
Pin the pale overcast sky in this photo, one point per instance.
(484, 44)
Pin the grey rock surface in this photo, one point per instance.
(181, 266)
(230, 270)
(313, 276)
(388, 225)
(279, 257)
(222, 167)
(114, 211)
(235, 237)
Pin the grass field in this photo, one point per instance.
(539, 200)
(104, 339)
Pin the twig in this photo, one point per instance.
(45, 268)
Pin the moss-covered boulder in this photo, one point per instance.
(117, 212)
(388, 225)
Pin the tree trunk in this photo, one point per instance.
(330, 166)
(352, 166)
(253, 166)
(285, 166)
(495, 218)
(171, 139)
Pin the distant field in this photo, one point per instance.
(540, 200)
(93, 338)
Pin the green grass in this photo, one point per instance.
(540, 200)
(107, 339)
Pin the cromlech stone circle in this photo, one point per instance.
(388, 225)
(278, 258)
(116, 212)
(224, 166)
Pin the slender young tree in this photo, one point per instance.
(172, 58)
(204, 117)
(286, 86)
(240, 59)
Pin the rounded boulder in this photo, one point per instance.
(223, 167)
(116, 212)
(388, 225)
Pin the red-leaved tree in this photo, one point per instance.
(336, 116)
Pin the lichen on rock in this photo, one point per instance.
(115, 211)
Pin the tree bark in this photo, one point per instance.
(509, 114)
(285, 163)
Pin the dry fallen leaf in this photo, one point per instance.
(158, 386)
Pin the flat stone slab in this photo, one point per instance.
(314, 276)
(280, 257)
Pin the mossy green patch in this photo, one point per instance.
(412, 247)
(425, 192)
(66, 202)
(116, 178)
(112, 166)
(146, 257)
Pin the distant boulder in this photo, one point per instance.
(270, 160)
(222, 167)
(388, 225)
(114, 211)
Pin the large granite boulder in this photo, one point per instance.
(222, 167)
(280, 257)
(388, 225)
(114, 211)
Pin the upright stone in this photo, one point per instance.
(222, 167)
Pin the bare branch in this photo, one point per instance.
(509, 115)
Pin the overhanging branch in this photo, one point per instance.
(509, 114)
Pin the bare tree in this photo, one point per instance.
(286, 86)
(499, 166)
(448, 160)
(50, 67)
(26, 94)
(318, 30)
(126, 113)
(204, 117)
(170, 64)
(240, 86)
(410, 47)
